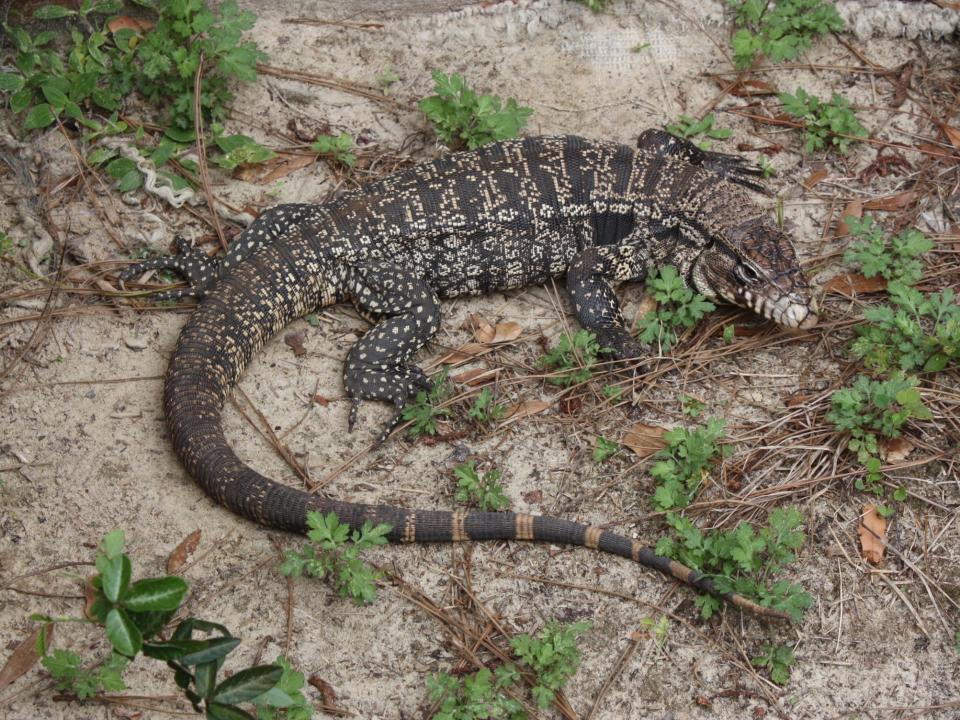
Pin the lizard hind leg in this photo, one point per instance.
(200, 271)
(378, 365)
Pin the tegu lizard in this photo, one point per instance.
(508, 215)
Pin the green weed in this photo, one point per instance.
(340, 148)
(6, 243)
(423, 411)
(574, 357)
(339, 556)
(690, 128)
(781, 30)
(677, 307)
(681, 467)
(742, 560)
(834, 122)
(102, 68)
(461, 117)
(553, 656)
(478, 696)
(387, 78)
(485, 491)
(484, 410)
(871, 410)
(595, 5)
(605, 449)
(778, 659)
(913, 331)
(894, 259)
(133, 614)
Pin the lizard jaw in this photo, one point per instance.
(786, 310)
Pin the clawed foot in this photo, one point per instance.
(392, 384)
(190, 262)
(627, 350)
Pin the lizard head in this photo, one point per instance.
(754, 266)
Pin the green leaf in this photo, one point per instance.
(52, 12)
(40, 116)
(114, 575)
(122, 633)
(155, 594)
(198, 652)
(247, 684)
(10, 82)
(218, 711)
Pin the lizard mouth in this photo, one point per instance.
(789, 311)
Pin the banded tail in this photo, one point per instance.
(279, 283)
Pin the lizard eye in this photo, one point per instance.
(746, 274)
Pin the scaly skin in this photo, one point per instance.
(509, 215)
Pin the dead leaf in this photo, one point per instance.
(646, 305)
(489, 335)
(953, 135)
(746, 88)
(181, 552)
(854, 209)
(295, 342)
(326, 690)
(873, 535)
(895, 449)
(853, 284)
(321, 400)
(464, 353)
(814, 177)
(273, 169)
(891, 203)
(901, 84)
(477, 376)
(797, 398)
(645, 439)
(571, 404)
(125, 22)
(24, 656)
(525, 409)
(534, 497)
(937, 152)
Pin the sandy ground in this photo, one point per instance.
(83, 449)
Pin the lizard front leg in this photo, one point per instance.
(377, 366)
(596, 305)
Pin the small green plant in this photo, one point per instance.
(778, 659)
(574, 357)
(484, 410)
(485, 492)
(595, 5)
(677, 307)
(6, 243)
(894, 259)
(781, 30)
(240, 150)
(478, 696)
(423, 412)
(133, 614)
(742, 560)
(913, 331)
(691, 406)
(612, 392)
(690, 128)
(682, 465)
(66, 668)
(658, 628)
(552, 655)
(605, 449)
(834, 122)
(763, 162)
(871, 410)
(461, 117)
(339, 556)
(340, 148)
(387, 78)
